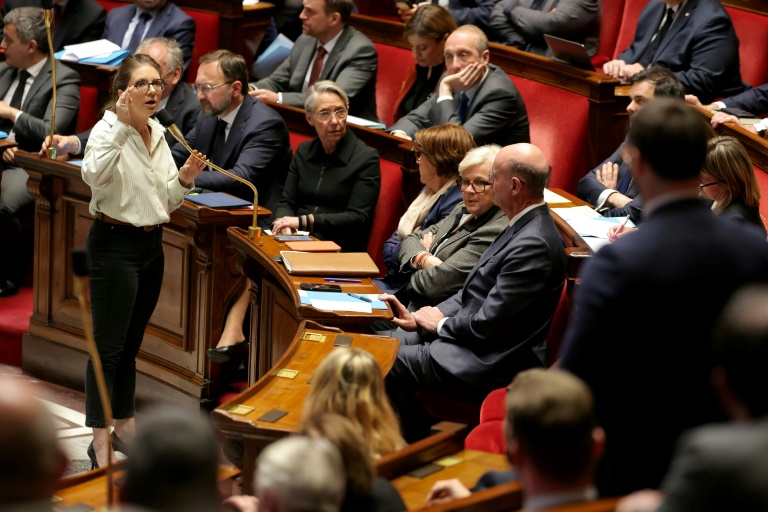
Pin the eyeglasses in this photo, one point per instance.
(143, 85)
(419, 153)
(324, 115)
(705, 185)
(478, 186)
(206, 89)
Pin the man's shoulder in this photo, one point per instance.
(174, 11)
(125, 10)
(351, 35)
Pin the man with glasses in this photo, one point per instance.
(236, 132)
(472, 92)
(496, 325)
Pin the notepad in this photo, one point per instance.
(218, 200)
(313, 246)
(329, 263)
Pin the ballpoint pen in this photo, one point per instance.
(341, 280)
(366, 299)
(620, 228)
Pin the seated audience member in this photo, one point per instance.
(331, 191)
(553, 442)
(693, 38)
(472, 92)
(328, 49)
(426, 32)
(74, 21)
(722, 466)
(728, 179)
(300, 474)
(434, 262)
(236, 132)
(465, 12)
(659, 270)
(522, 24)
(610, 187)
(26, 95)
(349, 382)
(496, 325)
(365, 490)
(439, 151)
(127, 26)
(174, 463)
(754, 100)
(178, 98)
(31, 460)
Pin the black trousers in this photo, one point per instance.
(126, 276)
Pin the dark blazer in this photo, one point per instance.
(352, 65)
(34, 123)
(383, 497)
(170, 22)
(439, 210)
(340, 190)
(753, 100)
(81, 21)
(701, 47)
(257, 149)
(739, 211)
(719, 467)
(470, 12)
(514, 23)
(589, 189)
(496, 114)
(637, 333)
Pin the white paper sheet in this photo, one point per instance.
(333, 305)
(551, 197)
(99, 48)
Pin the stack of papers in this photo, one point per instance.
(590, 225)
(340, 301)
(102, 51)
(550, 197)
(359, 121)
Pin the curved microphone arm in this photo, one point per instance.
(254, 232)
(48, 6)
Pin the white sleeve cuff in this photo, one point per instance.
(444, 98)
(720, 105)
(280, 98)
(602, 198)
(440, 325)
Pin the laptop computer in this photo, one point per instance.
(569, 52)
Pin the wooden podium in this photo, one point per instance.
(201, 278)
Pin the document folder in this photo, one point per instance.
(314, 246)
(329, 263)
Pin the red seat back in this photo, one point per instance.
(389, 208)
(488, 436)
(89, 108)
(762, 179)
(110, 4)
(632, 10)
(206, 39)
(752, 31)
(393, 66)
(610, 22)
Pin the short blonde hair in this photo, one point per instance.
(349, 382)
(727, 161)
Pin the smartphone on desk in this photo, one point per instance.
(312, 287)
(737, 112)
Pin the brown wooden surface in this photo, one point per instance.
(577, 249)
(604, 505)
(246, 434)
(201, 278)
(499, 498)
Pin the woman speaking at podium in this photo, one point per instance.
(135, 185)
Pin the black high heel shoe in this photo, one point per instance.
(224, 354)
(118, 445)
(92, 455)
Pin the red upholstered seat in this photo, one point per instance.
(762, 179)
(610, 22)
(206, 39)
(393, 65)
(89, 108)
(109, 4)
(752, 31)
(632, 10)
(389, 208)
(488, 436)
(447, 408)
(296, 139)
(558, 120)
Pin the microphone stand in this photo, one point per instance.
(51, 152)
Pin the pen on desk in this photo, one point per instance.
(620, 228)
(366, 299)
(341, 280)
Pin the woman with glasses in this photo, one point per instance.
(434, 262)
(135, 186)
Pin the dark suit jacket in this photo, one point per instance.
(753, 100)
(470, 12)
(170, 22)
(352, 65)
(81, 21)
(719, 467)
(257, 149)
(740, 212)
(34, 124)
(701, 47)
(589, 189)
(514, 23)
(638, 330)
(496, 114)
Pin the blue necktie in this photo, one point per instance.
(138, 31)
(463, 107)
(538, 4)
(624, 184)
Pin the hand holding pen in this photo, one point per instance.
(616, 232)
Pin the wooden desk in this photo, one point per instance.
(576, 248)
(285, 388)
(276, 310)
(201, 278)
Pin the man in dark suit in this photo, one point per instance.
(26, 94)
(695, 39)
(496, 325)
(647, 303)
(127, 26)
(236, 132)
(328, 49)
(74, 21)
(472, 92)
(523, 23)
(610, 187)
(754, 100)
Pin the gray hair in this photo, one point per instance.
(175, 58)
(478, 156)
(323, 86)
(536, 179)
(305, 474)
(30, 24)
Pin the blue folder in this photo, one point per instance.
(113, 59)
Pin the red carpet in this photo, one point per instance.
(14, 323)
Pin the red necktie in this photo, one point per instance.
(317, 67)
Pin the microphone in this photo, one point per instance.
(81, 267)
(165, 119)
(48, 8)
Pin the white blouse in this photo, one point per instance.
(127, 183)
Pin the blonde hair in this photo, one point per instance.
(727, 161)
(349, 382)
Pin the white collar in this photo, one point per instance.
(520, 214)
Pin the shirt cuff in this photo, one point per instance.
(16, 119)
(603, 197)
(440, 325)
(444, 98)
(280, 98)
(80, 145)
(720, 105)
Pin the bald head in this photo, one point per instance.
(520, 173)
(31, 461)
